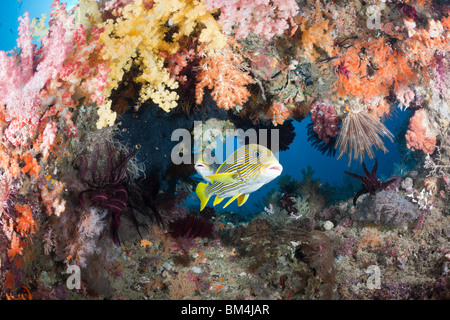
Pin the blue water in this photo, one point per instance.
(12, 9)
(328, 169)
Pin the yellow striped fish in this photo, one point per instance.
(205, 169)
(245, 171)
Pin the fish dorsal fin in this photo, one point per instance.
(225, 177)
(242, 199)
(231, 200)
(217, 200)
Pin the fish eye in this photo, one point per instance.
(256, 154)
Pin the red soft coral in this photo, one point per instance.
(325, 121)
(176, 62)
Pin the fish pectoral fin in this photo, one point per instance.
(217, 200)
(231, 200)
(200, 191)
(242, 199)
(225, 177)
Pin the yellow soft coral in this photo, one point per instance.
(40, 29)
(106, 115)
(88, 14)
(142, 32)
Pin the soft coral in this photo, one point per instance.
(264, 18)
(23, 77)
(419, 136)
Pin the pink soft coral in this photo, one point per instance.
(419, 137)
(263, 17)
(20, 85)
(404, 94)
(84, 74)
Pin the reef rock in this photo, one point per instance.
(387, 207)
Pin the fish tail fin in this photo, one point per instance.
(200, 191)
(242, 199)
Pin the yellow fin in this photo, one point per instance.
(242, 199)
(231, 200)
(217, 200)
(225, 177)
(200, 191)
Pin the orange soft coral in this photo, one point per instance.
(222, 72)
(318, 35)
(31, 166)
(419, 137)
(372, 67)
(379, 110)
(16, 247)
(17, 230)
(25, 222)
(9, 281)
(422, 46)
(277, 113)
